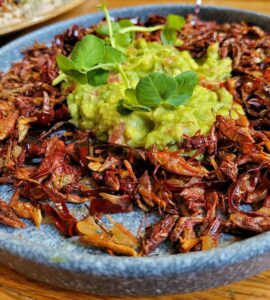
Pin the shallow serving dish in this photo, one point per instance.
(46, 256)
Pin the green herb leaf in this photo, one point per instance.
(88, 52)
(68, 67)
(158, 88)
(113, 55)
(140, 107)
(121, 39)
(175, 22)
(169, 33)
(97, 77)
(186, 83)
(124, 39)
(168, 36)
(78, 76)
(130, 103)
(65, 64)
(125, 23)
(130, 95)
(103, 28)
(122, 109)
(154, 89)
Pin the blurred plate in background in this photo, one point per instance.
(14, 17)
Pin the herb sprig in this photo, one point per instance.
(94, 68)
(156, 89)
(169, 33)
(113, 44)
(124, 30)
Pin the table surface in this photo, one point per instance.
(16, 286)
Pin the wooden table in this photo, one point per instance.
(16, 286)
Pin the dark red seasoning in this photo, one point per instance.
(52, 163)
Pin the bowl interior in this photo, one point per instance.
(47, 245)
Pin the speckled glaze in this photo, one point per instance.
(46, 256)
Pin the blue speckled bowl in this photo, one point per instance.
(46, 256)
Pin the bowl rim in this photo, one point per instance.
(167, 265)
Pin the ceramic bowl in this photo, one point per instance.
(46, 256)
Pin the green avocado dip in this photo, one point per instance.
(139, 93)
(96, 107)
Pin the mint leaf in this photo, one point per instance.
(186, 83)
(88, 52)
(155, 88)
(97, 77)
(175, 22)
(113, 55)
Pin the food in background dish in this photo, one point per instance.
(15, 11)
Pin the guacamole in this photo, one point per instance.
(96, 107)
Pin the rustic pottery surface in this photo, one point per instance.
(46, 256)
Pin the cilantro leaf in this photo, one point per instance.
(97, 77)
(88, 52)
(155, 88)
